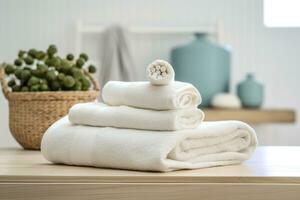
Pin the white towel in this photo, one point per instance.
(144, 95)
(99, 114)
(210, 144)
(160, 72)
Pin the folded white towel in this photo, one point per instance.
(210, 144)
(160, 72)
(99, 114)
(144, 95)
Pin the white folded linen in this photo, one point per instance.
(160, 72)
(100, 114)
(144, 95)
(210, 144)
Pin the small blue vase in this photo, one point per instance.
(205, 64)
(250, 92)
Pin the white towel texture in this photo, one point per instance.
(160, 72)
(210, 144)
(176, 95)
(99, 114)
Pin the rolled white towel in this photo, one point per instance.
(144, 95)
(210, 144)
(160, 72)
(99, 114)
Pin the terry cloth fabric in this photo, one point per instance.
(176, 95)
(100, 114)
(210, 144)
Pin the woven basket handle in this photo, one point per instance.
(93, 80)
(5, 89)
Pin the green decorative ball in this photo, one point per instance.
(84, 56)
(40, 55)
(42, 68)
(18, 73)
(33, 81)
(70, 57)
(32, 53)
(18, 62)
(29, 60)
(78, 85)
(53, 62)
(48, 62)
(35, 88)
(76, 73)
(80, 62)
(61, 76)
(44, 87)
(92, 69)
(21, 53)
(65, 65)
(40, 73)
(52, 49)
(85, 83)
(11, 83)
(25, 74)
(69, 81)
(51, 75)
(9, 69)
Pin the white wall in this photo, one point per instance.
(271, 53)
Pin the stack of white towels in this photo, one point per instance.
(151, 126)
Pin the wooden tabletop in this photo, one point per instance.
(268, 165)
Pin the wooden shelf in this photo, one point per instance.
(251, 115)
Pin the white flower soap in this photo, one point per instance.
(160, 72)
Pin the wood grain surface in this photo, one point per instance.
(272, 173)
(254, 116)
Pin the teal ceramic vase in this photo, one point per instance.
(250, 92)
(205, 64)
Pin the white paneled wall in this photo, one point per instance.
(272, 54)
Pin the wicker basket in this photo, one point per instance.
(31, 113)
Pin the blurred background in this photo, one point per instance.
(234, 38)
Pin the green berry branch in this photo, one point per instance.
(36, 70)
